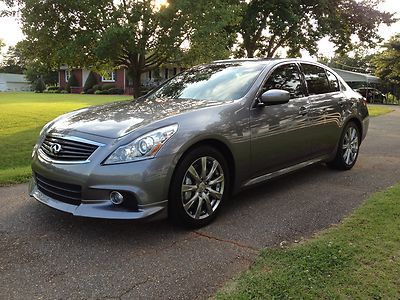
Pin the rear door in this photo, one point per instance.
(279, 133)
(326, 106)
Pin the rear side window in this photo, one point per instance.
(333, 81)
(286, 77)
(317, 81)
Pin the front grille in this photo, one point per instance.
(63, 149)
(64, 192)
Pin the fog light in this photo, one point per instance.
(116, 198)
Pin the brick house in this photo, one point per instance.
(119, 77)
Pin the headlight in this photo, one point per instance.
(42, 136)
(143, 147)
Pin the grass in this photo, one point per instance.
(358, 259)
(378, 110)
(22, 115)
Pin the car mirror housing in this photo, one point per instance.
(274, 96)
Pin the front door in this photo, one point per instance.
(279, 133)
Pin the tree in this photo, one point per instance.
(90, 82)
(105, 34)
(267, 26)
(14, 61)
(40, 86)
(388, 61)
(72, 82)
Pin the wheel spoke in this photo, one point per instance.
(198, 209)
(348, 157)
(213, 169)
(188, 188)
(194, 174)
(203, 167)
(191, 201)
(214, 193)
(216, 180)
(353, 134)
(345, 146)
(208, 204)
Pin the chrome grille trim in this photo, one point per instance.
(73, 149)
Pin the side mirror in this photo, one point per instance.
(273, 97)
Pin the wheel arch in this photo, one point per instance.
(218, 145)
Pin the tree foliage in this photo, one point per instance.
(14, 60)
(388, 61)
(90, 82)
(105, 34)
(267, 26)
(39, 86)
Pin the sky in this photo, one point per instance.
(10, 30)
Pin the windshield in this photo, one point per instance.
(218, 82)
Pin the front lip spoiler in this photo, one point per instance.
(98, 209)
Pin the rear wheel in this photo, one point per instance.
(198, 187)
(349, 145)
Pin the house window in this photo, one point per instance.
(67, 75)
(109, 77)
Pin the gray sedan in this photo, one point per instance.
(207, 133)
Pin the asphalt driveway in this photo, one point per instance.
(49, 254)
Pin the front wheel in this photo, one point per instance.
(198, 187)
(349, 146)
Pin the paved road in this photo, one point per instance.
(48, 254)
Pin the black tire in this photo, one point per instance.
(340, 162)
(183, 179)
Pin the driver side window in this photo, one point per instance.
(286, 77)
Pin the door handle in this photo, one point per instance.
(303, 110)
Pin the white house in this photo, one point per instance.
(14, 83)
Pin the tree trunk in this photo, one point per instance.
(135, 74)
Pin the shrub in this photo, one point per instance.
(72, 82)
(53, 88)
(97, 87)
(90, 91)
(91, 81)
(108, 86)
(40, 86)
(64, 92)
(116, 91)
(99, 92)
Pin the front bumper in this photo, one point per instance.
(99, 209)
(146, 182)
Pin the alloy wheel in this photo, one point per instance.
(202, 187)
(350, 145)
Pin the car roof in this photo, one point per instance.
(268, 61)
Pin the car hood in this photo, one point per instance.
(117, 119)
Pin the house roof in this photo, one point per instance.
(13, 78)
(349, 76)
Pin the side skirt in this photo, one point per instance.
(284, 171)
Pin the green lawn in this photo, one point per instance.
(375, 110)
(22, 115)
(358, 259)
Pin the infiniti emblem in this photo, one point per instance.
(55, 148)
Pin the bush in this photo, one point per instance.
(90, 91)
(53, 88)
(91, 81)
(116, 91)
(40, 86)
(99, 92)
(97, 87)
(72, 82)
(108, 86)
